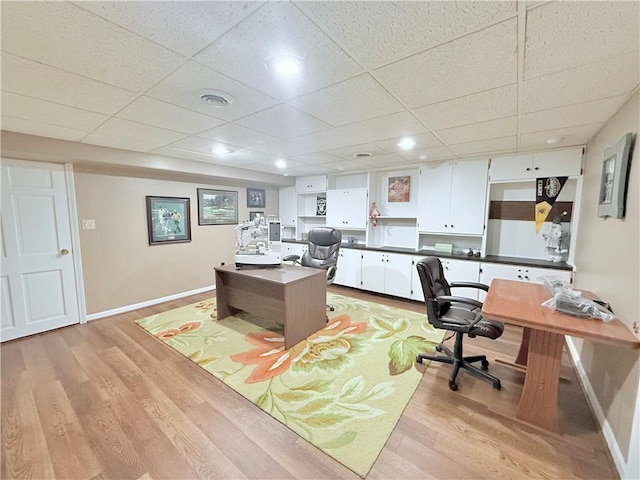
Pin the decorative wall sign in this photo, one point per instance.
(547, 190)
(168, 220)
(399, 189)
(321, 206)
(613, 183)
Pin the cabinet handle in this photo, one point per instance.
(526, 277)
(519, 276)
(528, 169)
(446, 226)
(451, 226)
(536, 168)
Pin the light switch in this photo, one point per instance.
(89, 224)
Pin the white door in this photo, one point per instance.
(462, 271)
(38, 278)
(468, 196)
(349, 268)
(373, 271)
(435, 197)
(356, 207)
(397, 280)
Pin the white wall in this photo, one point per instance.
(608, 263)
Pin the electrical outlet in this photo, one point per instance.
(89, 224)
(636, 327)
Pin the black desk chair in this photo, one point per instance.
(458, 314)
(322, 252)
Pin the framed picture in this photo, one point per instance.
(321, 206)
(254, 215)
(255, 198)
(399, 189)
(613, 182)
(217, 207)
(168, 220)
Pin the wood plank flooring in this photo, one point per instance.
(106, 400)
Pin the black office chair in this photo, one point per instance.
(458, 314)
(322, 252)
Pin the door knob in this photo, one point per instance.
(64, 251)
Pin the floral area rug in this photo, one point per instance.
(343, 389)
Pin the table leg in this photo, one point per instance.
(539, 401)
(523, 353)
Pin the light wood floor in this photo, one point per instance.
(106, 400)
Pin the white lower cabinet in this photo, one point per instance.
(294, 249)
(454, 271)
(388, 273)
(489, 271)
(349, 269)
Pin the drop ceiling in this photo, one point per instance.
(463, 79)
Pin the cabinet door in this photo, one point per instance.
(416, 284)
(397, 278)
(356, 208)
(468, 197)
(349, 268)
(314, 183)
(462, 271)
(373, 271)
(287, 206)
(335, 208)
(514, 167)
(558, 163)
(435, 197)
(521, 273)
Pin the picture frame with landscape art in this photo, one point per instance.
(168, 220)
(255, 198)
(613, 182)
(217, 207)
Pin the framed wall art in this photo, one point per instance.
(217, 207)
(168, 220)
(255, 198)
(613, 182)
(399, 189)
(254, 215)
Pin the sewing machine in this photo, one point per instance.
(259, 243)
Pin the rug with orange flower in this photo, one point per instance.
(343, 389)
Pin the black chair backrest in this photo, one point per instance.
(434, 284)
(323, 248)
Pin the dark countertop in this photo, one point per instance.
(527, 262)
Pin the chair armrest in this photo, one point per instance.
(467, 301)
(479, 286)
(331, 274)
(291, 258)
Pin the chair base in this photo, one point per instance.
(458, 361)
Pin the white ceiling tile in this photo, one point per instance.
(471, 64)
(563, 35)
(326, 139)
(114, 141)
(27, 108)
(202, 145)
(349, 152)
(184, 86)
(283, 121)
(36, 80)
(344, 166)
(493, 145)
(164, 115)
(423, 140)
(380, 32)
(399, 124)
(435, 153)
(282, 148)
(501, 127)
(598, 111)
(316, 158)
(192, 27)
(478, 107)
(385, 160)
(311, 170)
(118, 127)
(353, 100)
(65, 36)
(238, 135)
(185, 154)
(31, 127)
(279, 28)
(608, 78)
(572, 136)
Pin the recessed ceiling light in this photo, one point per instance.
(220, 150)
(284, 65)
(423, 157)
(281, 163)
(406, 144)
(214, 98)
(554, 140)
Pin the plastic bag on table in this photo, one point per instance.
(567, 300)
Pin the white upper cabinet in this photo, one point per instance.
(556, 163)
(347, 208)
(288, 206)
(453, 197)
(311, 184)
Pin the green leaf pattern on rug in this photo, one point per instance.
(403, 353)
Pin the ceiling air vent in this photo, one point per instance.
(215, 99)
(361, 154)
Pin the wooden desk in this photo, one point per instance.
(519, 303)
(295, 297)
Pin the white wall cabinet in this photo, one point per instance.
(489, 271)
(453, 197)
(294, 249)
(311, 184)
(556, 163)
(388, 273)
(287, 206)
(347, 208)
(349, 268)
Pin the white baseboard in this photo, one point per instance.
(609, 437)
(155, 301)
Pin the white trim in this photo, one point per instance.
(148, 303)
(614, 448)
(75, 241)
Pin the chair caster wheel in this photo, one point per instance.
(453, 386)
(439, 348)
(485, 364)
(497, 385)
